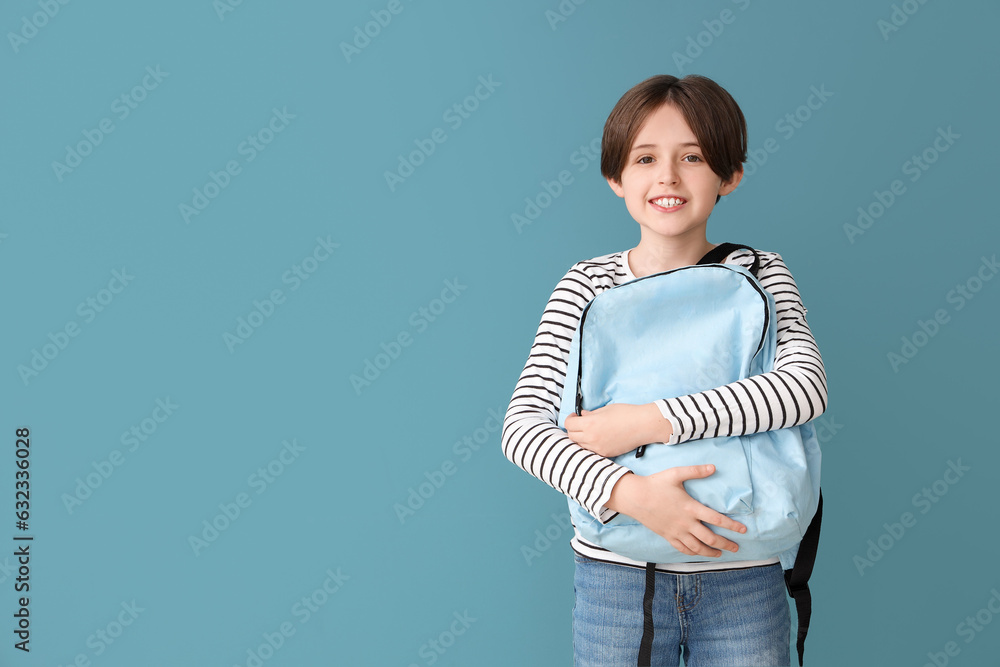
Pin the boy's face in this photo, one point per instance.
(666, 162)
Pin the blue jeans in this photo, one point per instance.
(733, 618)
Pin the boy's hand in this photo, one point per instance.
(660, 502)
(618, 428)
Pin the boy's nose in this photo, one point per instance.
(668, 174)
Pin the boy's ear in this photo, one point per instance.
(616, 186)
(730, 185)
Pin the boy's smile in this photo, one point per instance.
(668, 187)
(667, 203)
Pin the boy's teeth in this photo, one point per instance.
(668, 202)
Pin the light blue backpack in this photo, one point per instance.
(681, 332)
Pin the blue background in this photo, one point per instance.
(891, 432)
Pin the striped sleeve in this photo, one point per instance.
(531, 438)
(793, 393)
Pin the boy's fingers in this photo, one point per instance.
(680, 546)
(723, 521)
(700, 548)
(713, 540)
(693, 472)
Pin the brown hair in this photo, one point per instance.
(710, 111)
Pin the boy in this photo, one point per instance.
(671, 149)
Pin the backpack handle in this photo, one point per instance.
(721, 251)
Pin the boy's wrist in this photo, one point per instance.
(625, 493)
(660, 429)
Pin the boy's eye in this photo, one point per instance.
(694, 158)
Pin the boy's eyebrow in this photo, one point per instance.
(690, 143)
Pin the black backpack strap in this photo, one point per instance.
(721, 251)
(797, 578)
(646, 645)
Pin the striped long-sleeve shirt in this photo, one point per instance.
(793, 393)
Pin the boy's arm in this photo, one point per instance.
(793, 393)
(531, 438)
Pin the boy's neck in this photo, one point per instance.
(647, 259)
